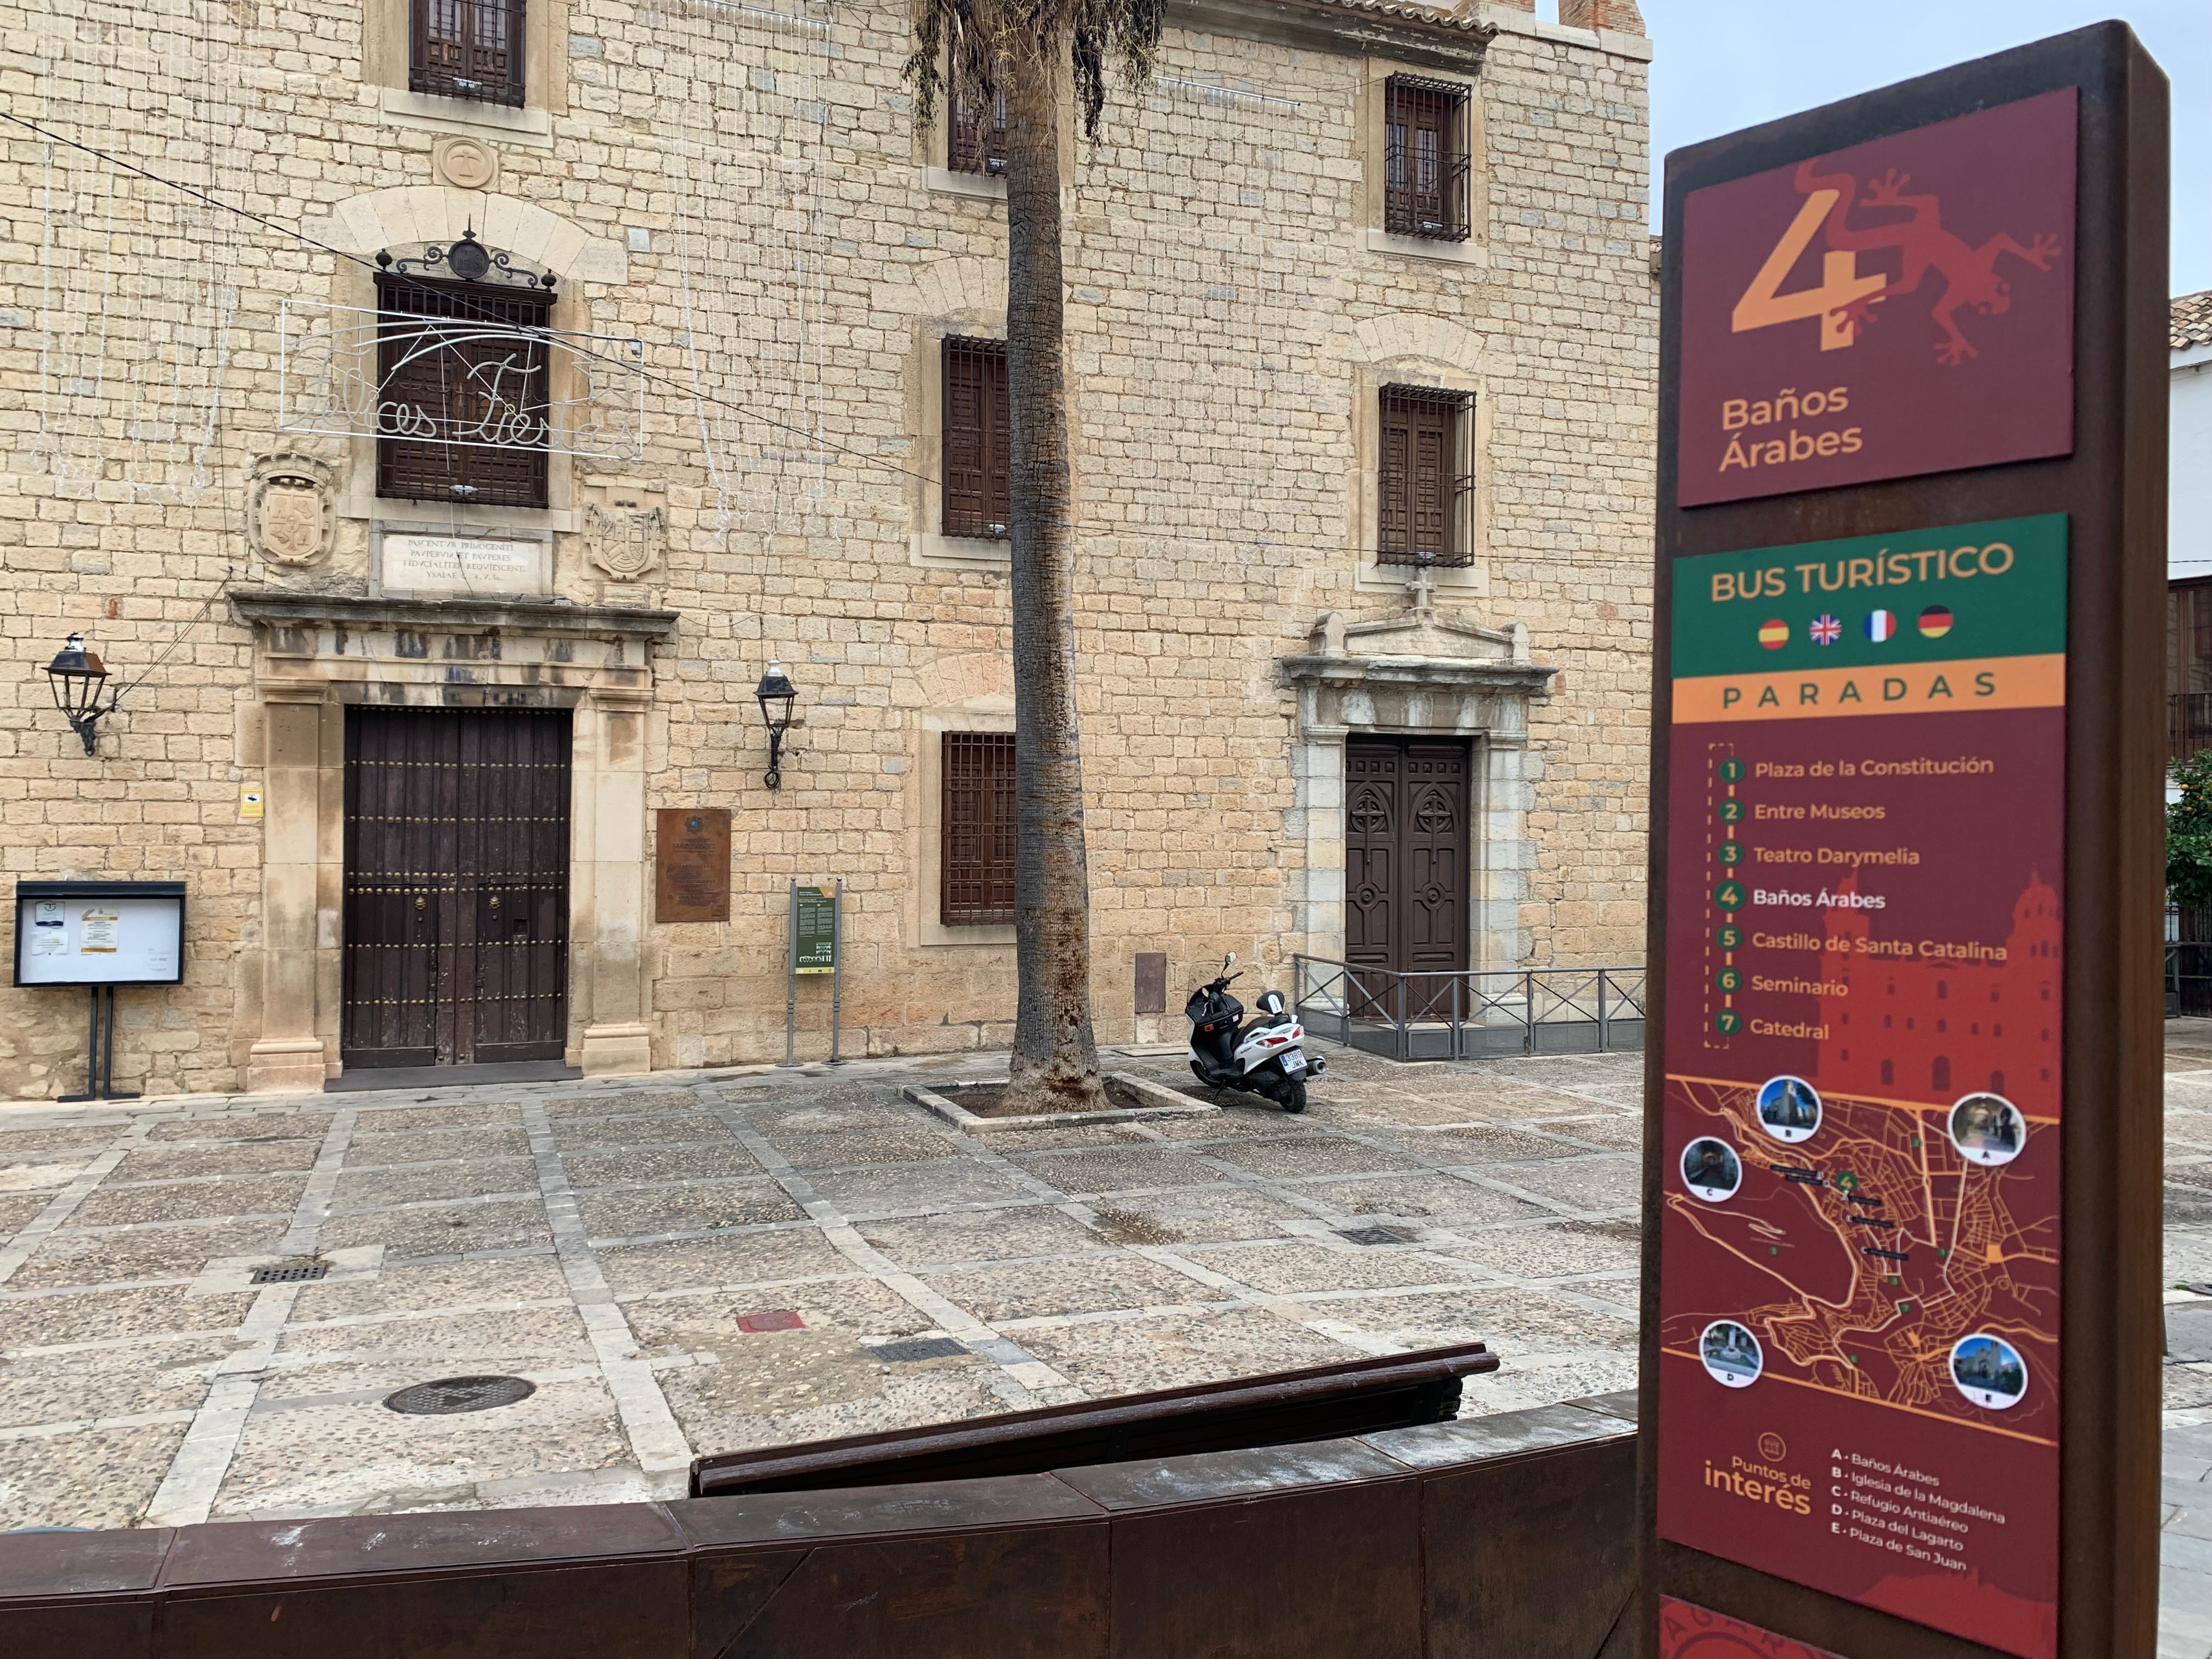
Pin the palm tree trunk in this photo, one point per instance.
(1055, 1061)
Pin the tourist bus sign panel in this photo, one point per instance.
(1893, 1172)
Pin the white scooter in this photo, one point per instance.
(1263, 1058)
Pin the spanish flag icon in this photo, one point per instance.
(1936, 621)
(1774, 633)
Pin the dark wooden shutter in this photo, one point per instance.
(976, 129)
(468, 49)
(978, 440)
(978, 829)
(462, 400)
(1419, 484)
(1426, 160)
(2189, 669)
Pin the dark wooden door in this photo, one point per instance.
(456, 920)
(1405, 870)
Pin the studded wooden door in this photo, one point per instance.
(455, 945)
(1406, 870)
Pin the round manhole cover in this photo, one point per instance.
(460, 1394)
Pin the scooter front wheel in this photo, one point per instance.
(1294, 1097)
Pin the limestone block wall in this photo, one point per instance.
(747, 198)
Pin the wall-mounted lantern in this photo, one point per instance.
(79, 680)
(776, 695)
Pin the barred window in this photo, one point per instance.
(978, 439)
(462, 411)
(978, 847)
(467, 49)
(1425, 158)
(1426, 485)
(976, 130)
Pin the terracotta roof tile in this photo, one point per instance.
(1432, 16)
(2191, 321)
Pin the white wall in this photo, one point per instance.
(2189, 467)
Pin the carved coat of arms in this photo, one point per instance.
(624, 541)
(289, 515)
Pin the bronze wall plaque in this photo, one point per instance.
(691, 864)
(1151, 981)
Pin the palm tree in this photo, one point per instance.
(1025, 51)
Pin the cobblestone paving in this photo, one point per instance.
(607, 1241)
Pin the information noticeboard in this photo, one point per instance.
(814, 932)
(1903, 1155)
(99, 932)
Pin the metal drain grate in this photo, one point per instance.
(294, 1273)
(450, 1394)
(920, 1347)
(1373, 1235)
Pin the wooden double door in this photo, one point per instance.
(456, 917)
(1407, 845)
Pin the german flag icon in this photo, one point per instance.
(1936, 621)
(1774, 633)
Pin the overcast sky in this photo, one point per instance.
(1722, 64)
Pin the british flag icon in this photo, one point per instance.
(1826, 630)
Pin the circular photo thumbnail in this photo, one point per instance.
(1789, 1109)
(1988, 1129)
(1731, 1354)
(1711, 1170)
(1989, 1370)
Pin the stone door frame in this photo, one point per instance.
(1481, 697)
(314, 655)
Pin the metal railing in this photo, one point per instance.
(2188, 977)
(1470, 1014)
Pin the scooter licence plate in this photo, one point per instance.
(1294, 1061)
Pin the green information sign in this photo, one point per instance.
(814, 944)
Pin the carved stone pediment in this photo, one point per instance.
(1423, 671)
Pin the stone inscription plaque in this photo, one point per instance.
(691, 864)
(462, 565)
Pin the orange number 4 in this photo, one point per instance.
(1763, 304)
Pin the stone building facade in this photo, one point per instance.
(744, 258)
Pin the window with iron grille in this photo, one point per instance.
(1426, 481)
(975, 128)
(978, 439)
(978, 832)
(1425, 158)
(462, 413)
(467, 49)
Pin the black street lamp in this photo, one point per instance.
(78, 677)
(776, 695)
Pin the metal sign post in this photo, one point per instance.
(1903, 1152)
(816, 937)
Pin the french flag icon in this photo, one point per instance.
(1880, 625)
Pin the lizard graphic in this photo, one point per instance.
(1969, 273)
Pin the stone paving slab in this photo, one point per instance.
(700, 1263)
(616, 1244)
